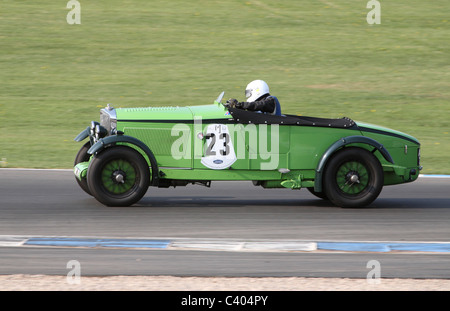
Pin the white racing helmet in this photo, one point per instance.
(255, 90)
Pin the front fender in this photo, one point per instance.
(341, 143)
(83, 135)
(106, 142)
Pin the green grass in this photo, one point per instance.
(320, 58)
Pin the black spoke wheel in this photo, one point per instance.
(83, 156)
(353, 178)
(118, 176)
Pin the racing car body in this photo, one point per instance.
(340, 160)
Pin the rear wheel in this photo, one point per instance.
(118, 176)
(353, 178)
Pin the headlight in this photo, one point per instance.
(93, 125)
(100, 132)
(108, 119)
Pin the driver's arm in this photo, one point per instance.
(265, 105)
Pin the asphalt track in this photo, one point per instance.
(37, 204)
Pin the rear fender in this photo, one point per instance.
(338, 145)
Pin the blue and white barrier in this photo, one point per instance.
(226, 245)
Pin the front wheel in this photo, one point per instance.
(83, 156)
(118, 176)
(353, 178)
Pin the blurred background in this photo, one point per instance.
(320, 58)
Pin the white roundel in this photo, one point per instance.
(219, 151)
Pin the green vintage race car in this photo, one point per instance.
(340, 160)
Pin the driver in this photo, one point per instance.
(258, 99)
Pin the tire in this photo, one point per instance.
(320, 195)
(353, 178)
(83, 156)
(118, 176)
